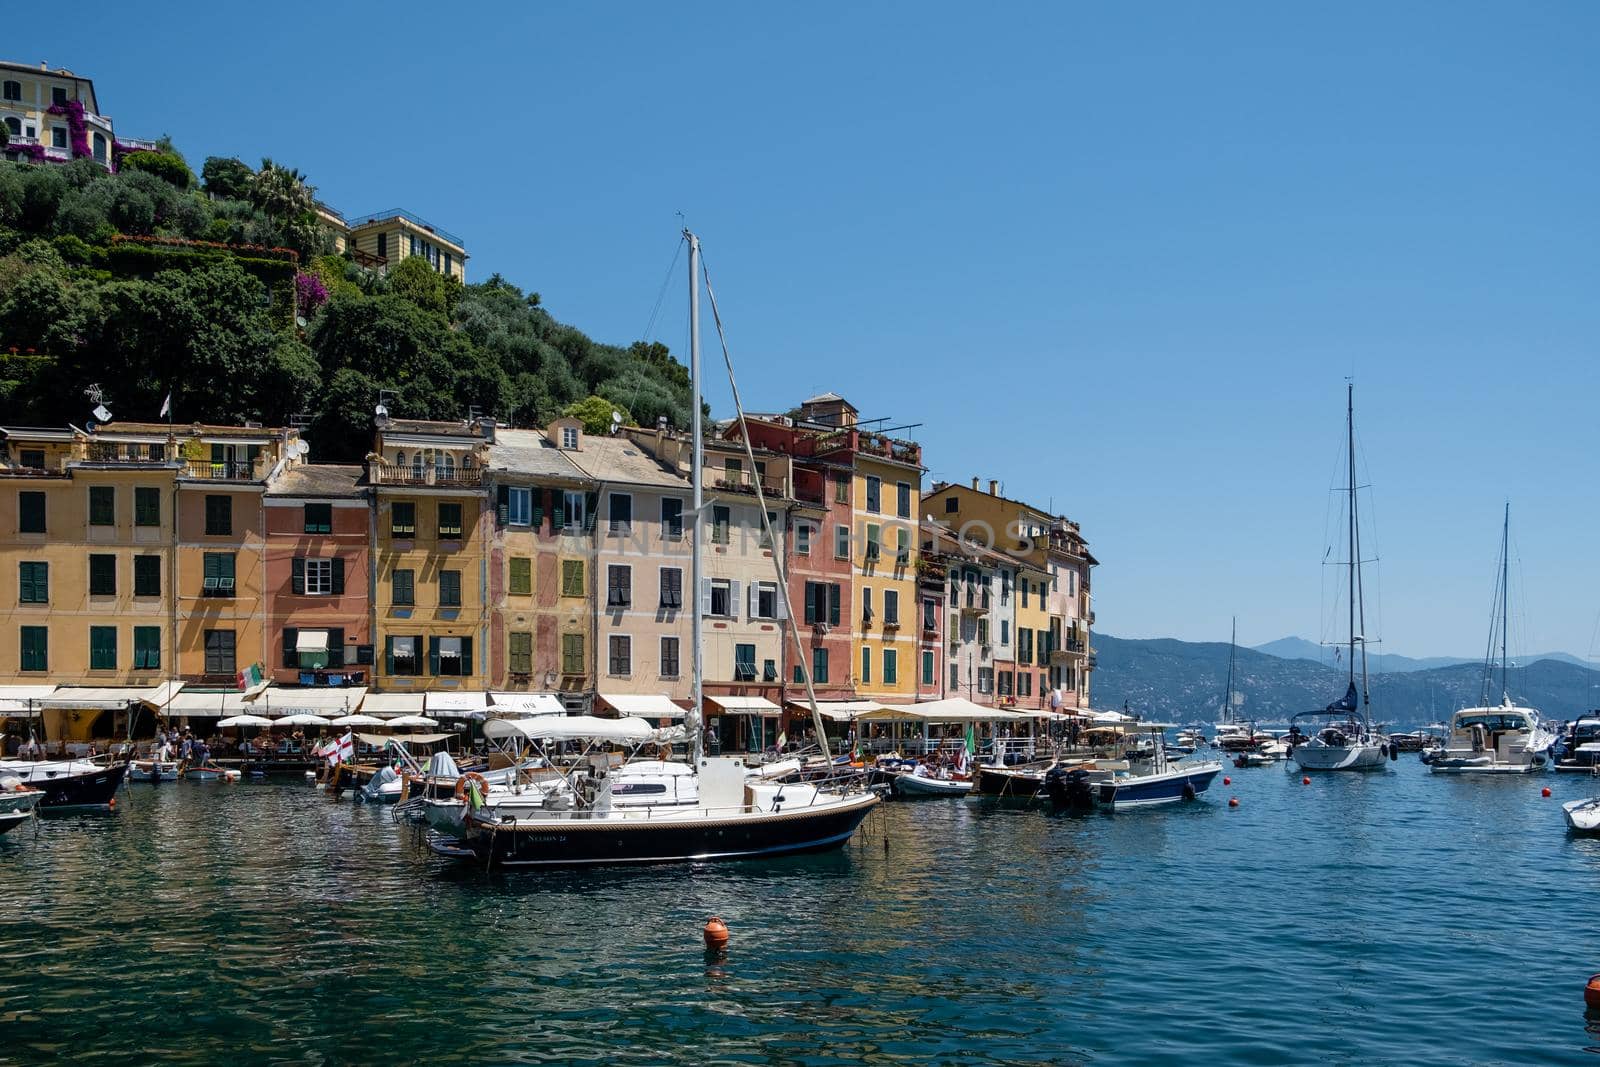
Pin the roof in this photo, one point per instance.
(531, 452)
(621, 459)
(449, 429)
(947, 542)
(36, 71)
(187, 429)
(320, 479)
(37, 433)
(416, 220)
(829, 398)
(931, 493)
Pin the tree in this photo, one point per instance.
(419, 283)
(595, 411)
(168, 166)
(226, 177)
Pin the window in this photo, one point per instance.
(146, 506)
(319, 518)
(403, 656)
(102, 648)
(1005, 587)
(58, 94)
(929, 614)
(951, 505)
(219, 516)
(833, 603)
(866, 605)
(874, 493)
(1024, 642)
(1024, 684)
(1005, 632)
(619, 658)
(744, 663)
(955, 587)
(574, 505)
(841, 542)
(14, 125)
(719, 524)
(1004, 689)
(619, 586)
(450, 657)
(874, 540)
(449, 521)
(519, 506)
(802, 539)
(35, 648)
(450, 589)
(102, 505)
(13, 90)
(569, 437)
(102, 575)
(33, 458)
(927, 666)
(769, 670)
(101, 147)
(819, 666)
(903, 499)
(866, 666)
(764, 600)
(1022, 587)
(672, 588)
(841, 489)
(672, 518)
(146, 575)
(146, 648)
(318, 577)
(572, 652)
(217, 578)
(891, 608)
(33, 583)
(983, 631)
(669, 657)
(719, 594)
(621, 514)
(572, 577)
(521, 576)
(985, 679)
(955, 676)
(519, 652)
(219, 652)
(902, 550)
(891, 666)
(403, 519)
(403, 586)
(383, 246)
(30, 512)
(772, 525)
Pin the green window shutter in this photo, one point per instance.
(466, 656)
(30, 512)
(146, 506)
(338, 575)
(433, 656)
(35, 648)
(147, 576)
(388, 655)
(336, 646)
(102, 575)
(297, 576)
(291, 646)
(833, 604)
(502, 505)
(102, 648)
(147, 648)
(102, 505)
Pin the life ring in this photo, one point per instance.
(471, 776)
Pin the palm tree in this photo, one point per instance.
(281, 193)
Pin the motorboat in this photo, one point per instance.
(1501, 740)
(17, 803)
(1140, 784)
(913, 785)
(69, 784)
(1580, 749)
(153, 770)
(1022, 780)
(1191, 740)
(1583, 816)
(209, 772)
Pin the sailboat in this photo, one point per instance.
(731, 817)
(1504, 738)
(1232, 734)
(1342, 736)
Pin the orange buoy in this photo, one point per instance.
(1226, 780)
(1306, 780)
(1545, 791)
(1233, 802)
(1591, 992)
(112, 803)
(716, 933)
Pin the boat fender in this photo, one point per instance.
(1591, 992)
(1394, 752)
(1290, 753)
(1188, 791)
(715, 933)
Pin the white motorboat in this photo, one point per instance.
(209, 772)
(1583, 816)
(70, 784)
(153, 770)
(915, 785)
(17, 803)
(1118, 784)
(1343, 737)
(1504, 739)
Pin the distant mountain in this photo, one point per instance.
(1392, 663)
(1183, 681)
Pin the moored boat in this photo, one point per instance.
(17, 803)
(915, 785)
(69, 784)
(1583, 816)
(153, 770)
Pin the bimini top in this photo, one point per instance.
(570, 728)
(1506, 716)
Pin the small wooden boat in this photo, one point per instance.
(150, 770)
(210, 772)
(1021, 781)
(912, 786)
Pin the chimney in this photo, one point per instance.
(486, 428)
(994, 487)
(974, 481)
(661, 431)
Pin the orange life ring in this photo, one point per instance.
(471, 776)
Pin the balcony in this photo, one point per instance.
(890, 448)
(139, 143)
(1093, 659)
(975, 603)
(415, 220)
(112, 452)
(449, 477)
(227, 470)
(772, 485)
(892, 623)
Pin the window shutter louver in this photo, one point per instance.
(338, 575)
(733, 600)
(833, 605)
(591, 511)
(433, 656)
(291, 641)
(502, 505)
(297, 576)
(388, 655)
(705, 596)
(466, 656)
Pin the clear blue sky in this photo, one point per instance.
(1119, 256)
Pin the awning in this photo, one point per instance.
(390, 704)
(243, 720)
(412, 720)
(644, 705)
(457, 704)
(379, 740)
(311, 641)
(109, 699)
(14, 698)
(953, 709)
(450, 647)
(282, 700)
(198, 704)
(838, 710)
(743, 705)
(570, 728)
(527, 703)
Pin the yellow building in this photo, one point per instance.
(40, 110)
(431, 534)
(381, 240)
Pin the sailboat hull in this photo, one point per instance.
(1313, 756)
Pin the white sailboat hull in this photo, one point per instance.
(1316, 756)
(1583, 816)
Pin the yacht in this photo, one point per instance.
(1580, 750)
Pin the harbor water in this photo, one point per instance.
(1361, 919)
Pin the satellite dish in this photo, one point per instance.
(300, 321)
(549, 679)
(616, 418)
(302, 447)
(102, 413)
(381, 411)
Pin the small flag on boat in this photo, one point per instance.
(342, 749)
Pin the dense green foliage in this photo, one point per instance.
(146, 281)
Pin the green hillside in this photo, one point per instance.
(222, 289)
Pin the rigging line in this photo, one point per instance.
(766, 520)
(655, 313)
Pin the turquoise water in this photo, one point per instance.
(1391, 918)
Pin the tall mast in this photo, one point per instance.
(695, 719)
(1505, 597)
(1233, 648)
(1350, 430)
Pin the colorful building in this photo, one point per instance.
(53, 116)
(384, 238)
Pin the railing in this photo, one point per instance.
(415, 220)
(745, 482)
(139, 142)
(390, 474)
(365, 259)
(226, 470)
(904, 451)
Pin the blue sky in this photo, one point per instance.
(1120, 257)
